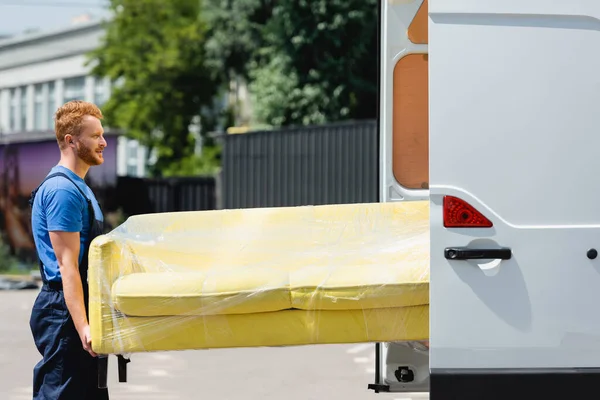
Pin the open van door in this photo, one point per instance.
(514, 223)
(404, 158)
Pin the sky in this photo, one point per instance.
(17, 16)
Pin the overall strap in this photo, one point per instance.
(89, 202)
(52, 176)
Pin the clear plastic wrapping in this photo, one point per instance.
(262, 277)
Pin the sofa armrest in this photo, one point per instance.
(107, 262)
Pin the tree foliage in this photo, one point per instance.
(155, 52)
(235, 35)
(308, 61)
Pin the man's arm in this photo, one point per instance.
(66, 247)
(64, 209)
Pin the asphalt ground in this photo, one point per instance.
(296, 373)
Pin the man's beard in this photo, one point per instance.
(88, 156)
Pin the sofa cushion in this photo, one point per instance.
(243, 291)
(361, 287)
(214, 292)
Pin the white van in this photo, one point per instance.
(490, 108)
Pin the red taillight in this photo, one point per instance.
(460, 214)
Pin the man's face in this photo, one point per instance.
(90, 142)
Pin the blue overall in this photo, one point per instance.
(67, 371)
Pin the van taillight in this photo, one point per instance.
(460, 214)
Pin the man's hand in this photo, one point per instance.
(86, 340)
(66, 247)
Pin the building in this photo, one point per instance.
(41, 70)
(38, 72)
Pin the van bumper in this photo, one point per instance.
(514, 384)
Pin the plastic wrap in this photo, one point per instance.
(262, 277)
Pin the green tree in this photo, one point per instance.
(7, 261)
(155, 53)
(307, 61)
(235, 34)
(323, 61)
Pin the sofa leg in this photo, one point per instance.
(122, 368)
(102, 371)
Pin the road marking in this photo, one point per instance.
(415, 396)
(158, 372)
(139, 388)
(23, 393)
(361, 359)
(145, 396)
(25, 390)
(161, 356)
(360, 347)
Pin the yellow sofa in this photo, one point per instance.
(262, 277)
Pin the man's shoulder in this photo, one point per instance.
(58, 183)
(59, 188)
(61, 204)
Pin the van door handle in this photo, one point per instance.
(465, 253)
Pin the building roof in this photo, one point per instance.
(28, 38)
(40, 47)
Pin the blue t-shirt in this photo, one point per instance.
(59, 206)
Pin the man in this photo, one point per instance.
(66, 217)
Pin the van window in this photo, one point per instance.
(410, 125)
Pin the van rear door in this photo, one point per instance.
(404, 159)
(514, 95)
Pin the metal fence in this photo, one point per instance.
(182, 194)
(326, 164)
(152, 195)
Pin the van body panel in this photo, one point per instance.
(513, 95)
(404, 157)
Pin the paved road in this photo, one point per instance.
(298, 373)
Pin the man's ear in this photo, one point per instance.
(68, 139)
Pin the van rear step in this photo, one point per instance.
(401, 367)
